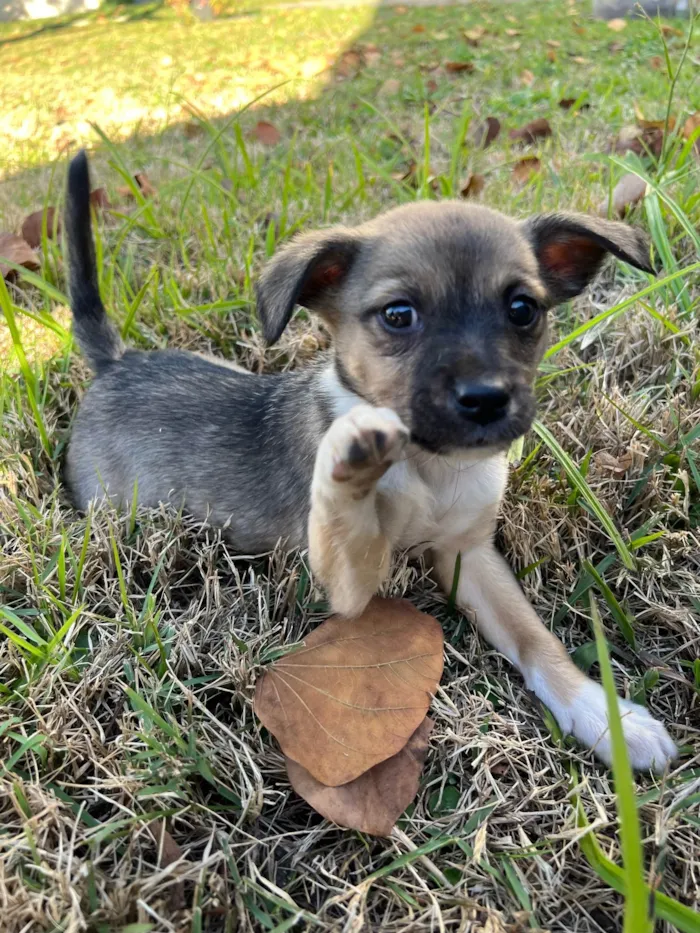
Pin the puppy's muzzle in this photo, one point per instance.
(482, 403)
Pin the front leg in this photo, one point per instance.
(348, 549)
(506, 619)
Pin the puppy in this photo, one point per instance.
(397, 441)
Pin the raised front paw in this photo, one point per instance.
(359, 447)
(648, 743)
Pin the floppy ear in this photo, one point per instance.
(308, 271)
(570, 249)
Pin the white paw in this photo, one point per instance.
(359, 447)
(648, 743)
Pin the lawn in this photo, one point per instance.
(137, 791)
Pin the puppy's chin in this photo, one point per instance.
(451, 436)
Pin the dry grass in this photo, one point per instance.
(127, 690)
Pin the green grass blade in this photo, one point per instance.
(618, 309)
(577, 480)
(637, 919)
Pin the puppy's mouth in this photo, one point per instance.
(442, 433)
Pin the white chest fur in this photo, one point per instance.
(433, 501)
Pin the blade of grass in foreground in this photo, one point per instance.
(577, 480)
(637, 906)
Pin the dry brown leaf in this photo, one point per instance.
(483, 134)
(617, 25)
(169, 852)
(349, 63)
(390, 88)
(473, 186)
(456, 67)
(474, 36)
(551, 55)
(356, 691)
(192, 129)
(431, 86)
(640, 141)
(99, 199)
(536, 129)
(527, 78)
(657, 62)
(566, 103)
(32, 226)
(266, 133)
(513, 32)
(419, 27)
(553, 44)
(628, 191)
(652, 124)
(145, 187)
(691, 124)
(525, 169)
(580, 60)
(17, 250)
(513, 47)
(670, 30)
(374, 801)
(607, 463)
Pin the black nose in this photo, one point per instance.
(481, 403)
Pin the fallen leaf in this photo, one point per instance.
(169, 852)
(474, 36)
(456, 67)
(670, 30)
(473, 186)
(192, 129)
(551, 55)
(691, 124)
(617, 25)
(553, 44)
(526, 168)
(513, 47)
(374, 801)
(527, 78)
(536, 129)
(616, 47)
(580, 60)
(349, 63)
(431, 86)
(99, 199)
(356, 692)
(640, 141)
(400, 10)
(17, 250)
(652, 124)
(32, 226)
(566, 103)
(513, 32)
(145, 187)
(390, 88)
(628, 191)
(607, 463)
(418, 28)
(657, 62)
(483, 134)
(266, 133)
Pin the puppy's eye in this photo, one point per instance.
(523, 310)
(399, 316)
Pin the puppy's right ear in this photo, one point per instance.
(308, 271)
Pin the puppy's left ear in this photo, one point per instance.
(570, 249)
(308, 271)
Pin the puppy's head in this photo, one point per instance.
(439, 310)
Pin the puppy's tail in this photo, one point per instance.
(96, 336)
